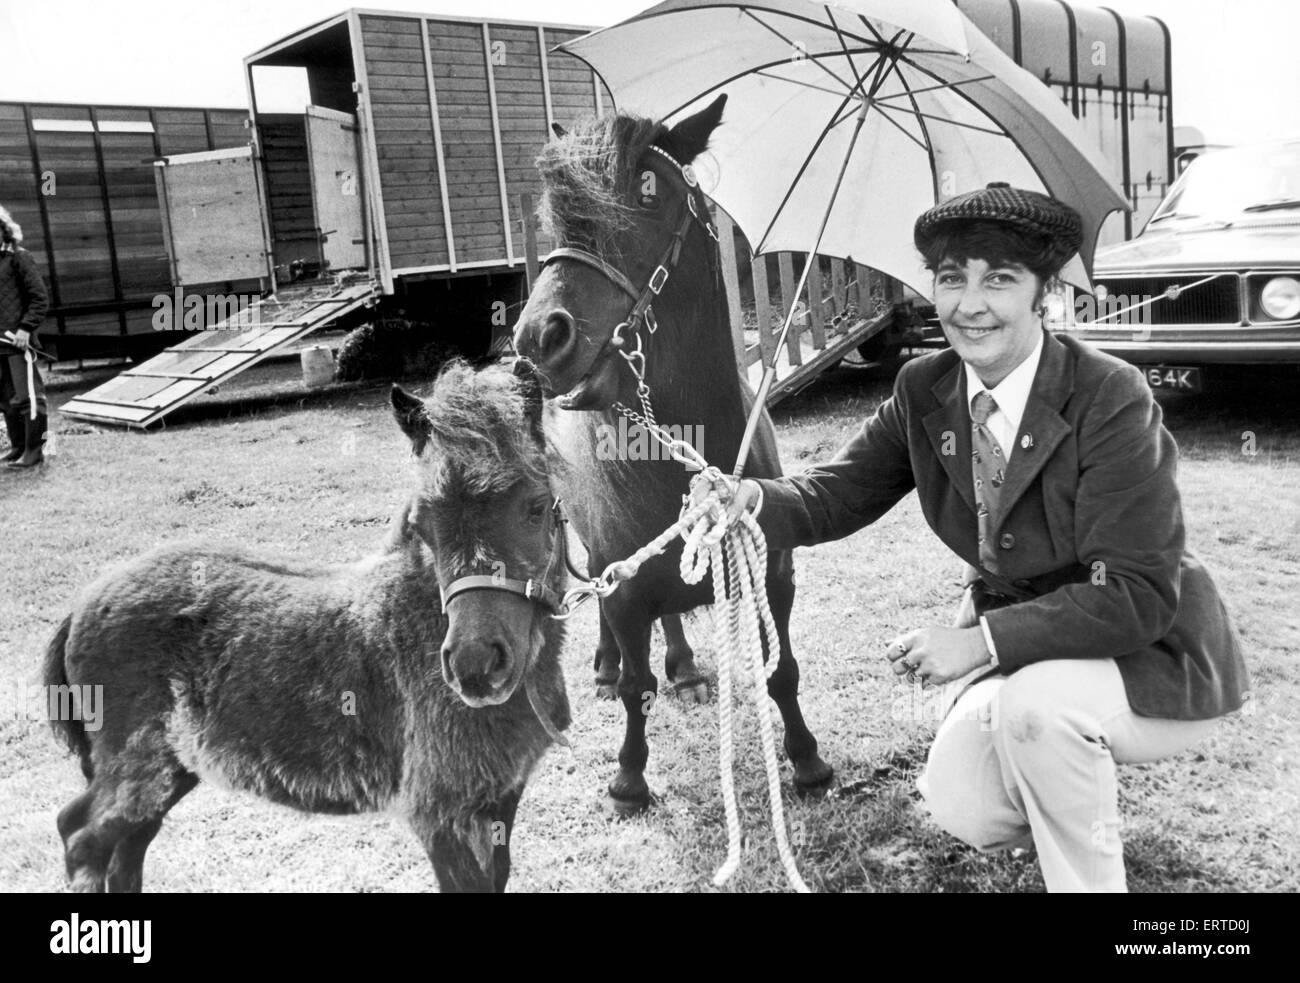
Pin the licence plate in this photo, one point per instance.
(1173, 377)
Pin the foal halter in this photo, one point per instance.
(536, 591)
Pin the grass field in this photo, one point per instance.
(316, 476)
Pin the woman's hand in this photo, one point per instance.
(22, 338)
(746, 496)
(938, 655)
(737, 496)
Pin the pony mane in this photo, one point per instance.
(482, 438)
(587, 177)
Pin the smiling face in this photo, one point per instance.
(989, 313)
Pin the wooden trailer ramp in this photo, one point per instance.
(146, 393)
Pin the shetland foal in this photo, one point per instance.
(390, 683)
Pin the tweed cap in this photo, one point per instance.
(1028, 211)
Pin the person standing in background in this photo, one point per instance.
(23, 303)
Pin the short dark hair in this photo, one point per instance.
(994, 242)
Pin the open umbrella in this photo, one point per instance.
(846, 120)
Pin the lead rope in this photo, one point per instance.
(742, 621)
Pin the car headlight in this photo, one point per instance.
(1058, 307)
(1280, 298)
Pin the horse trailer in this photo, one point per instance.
(410, 174)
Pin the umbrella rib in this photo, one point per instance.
(749, 13)
(925, 130)
(802, 168)
(806, 85)
(903, 130)
(933, 88)
(840, 38)
(739, 75)
(1006, 132)
(951, 122)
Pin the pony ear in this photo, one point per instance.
(690, 137)
(531, 386)
(559, 131)
(412, 417)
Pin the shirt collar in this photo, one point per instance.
(1012, 393)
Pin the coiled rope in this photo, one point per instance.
(736, 555)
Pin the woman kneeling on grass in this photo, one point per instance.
(1088, 634)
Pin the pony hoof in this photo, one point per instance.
(606, 691)
(628, 795)
(692, 691)
(626, 808)
(816, 783)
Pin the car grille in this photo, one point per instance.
(1216, 302)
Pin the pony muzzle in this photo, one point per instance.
(482, 671)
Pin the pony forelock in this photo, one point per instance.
(587, 177)
(482, 441)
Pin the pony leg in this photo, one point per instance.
(126, 867)
(679, 662)
(607, 660)
(455, 860)
(128, 795)
(74, 815)
(811, 773)
(637, 688)
(503, 825)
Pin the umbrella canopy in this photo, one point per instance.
(910, 93)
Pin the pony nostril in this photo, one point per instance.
(448, 672)
(500, 661)
(558, 334)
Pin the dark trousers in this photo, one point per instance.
(14, 396)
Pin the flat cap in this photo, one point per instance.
(1028, 211)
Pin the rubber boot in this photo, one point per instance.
(33, 452)
(17, 436)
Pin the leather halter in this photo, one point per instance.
(536, 591)
(641, 307)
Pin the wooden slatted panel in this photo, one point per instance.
(408, 167)
(182, 131)
(78, 222)
(144, 394)
(229, 128)
(460, 74)
(288, 187)
(521, 113)
(133, 205)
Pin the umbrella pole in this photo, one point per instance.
(769, 371)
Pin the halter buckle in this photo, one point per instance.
(657, 280)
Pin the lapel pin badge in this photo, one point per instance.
(1027, 441)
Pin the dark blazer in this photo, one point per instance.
(1092, 561)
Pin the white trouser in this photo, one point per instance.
(1032, 756)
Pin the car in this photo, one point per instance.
(1213, 279)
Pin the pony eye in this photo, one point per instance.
(536, 510)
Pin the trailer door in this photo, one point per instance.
(336, 187)
(212, 216)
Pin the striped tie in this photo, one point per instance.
(989, 468)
